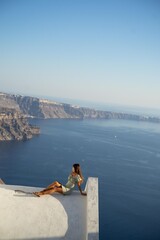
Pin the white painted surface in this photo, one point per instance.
(57, 217)
(92, 209)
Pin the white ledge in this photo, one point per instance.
(57, 217)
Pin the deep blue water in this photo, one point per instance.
(124, 155)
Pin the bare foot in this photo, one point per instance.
(36, 194)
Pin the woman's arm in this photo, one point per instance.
(79, 186)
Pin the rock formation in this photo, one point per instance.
(13, 126)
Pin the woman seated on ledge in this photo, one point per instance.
(74, 178)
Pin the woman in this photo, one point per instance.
(74, 178)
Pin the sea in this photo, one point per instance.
(124, 155)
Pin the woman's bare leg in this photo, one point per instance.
(52, 185)
(49, 191)
(57, 184)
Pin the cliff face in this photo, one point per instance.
(13, 126)
(29, 106)
(14, 110)
(13, 123)
(41, 108)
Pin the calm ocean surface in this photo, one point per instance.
(124, 155)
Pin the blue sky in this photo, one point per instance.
(101, 51)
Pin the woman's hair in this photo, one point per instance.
(77, 169)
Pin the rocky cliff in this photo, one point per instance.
(42, 108)
(13, 126)
(15, 109)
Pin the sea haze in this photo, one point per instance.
(124, 155)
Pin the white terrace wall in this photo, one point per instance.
(92, 209)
